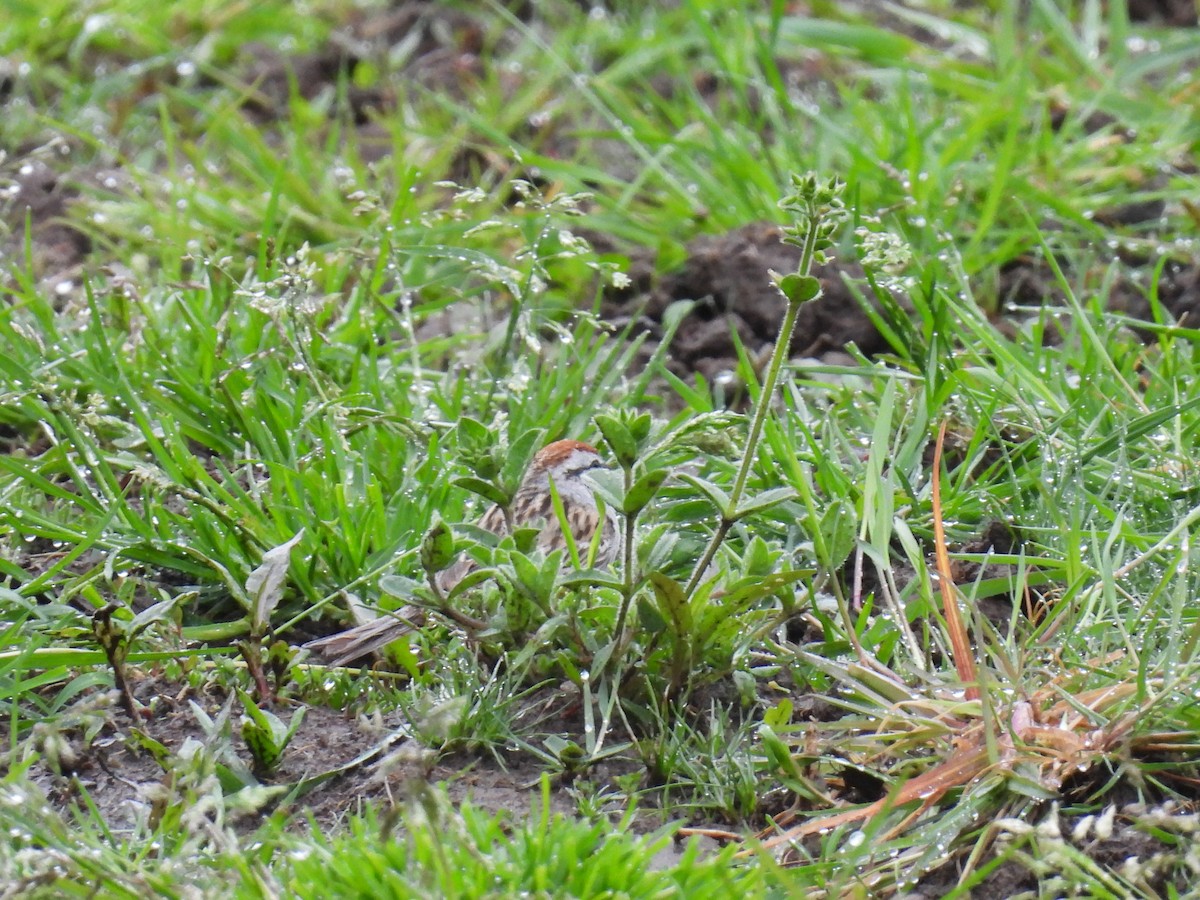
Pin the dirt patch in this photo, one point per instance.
(1164, 12)
(340, 760)
(1030, 282)
(728, 277)
(39, 189)
(439, 50)
(125, 774)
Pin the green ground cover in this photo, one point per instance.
(292, 292)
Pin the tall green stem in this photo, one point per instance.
(782, 343)
(627, 567)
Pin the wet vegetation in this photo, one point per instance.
(882, 316)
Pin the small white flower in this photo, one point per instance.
(619, 280)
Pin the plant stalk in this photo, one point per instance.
(778, 356)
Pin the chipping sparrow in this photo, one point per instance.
(564, 463)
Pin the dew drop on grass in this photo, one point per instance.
(14, 797)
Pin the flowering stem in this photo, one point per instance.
(818, 209)
(728, 515)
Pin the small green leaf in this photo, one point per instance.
(592, 578)
(757, 558)
(279, 657)
(472, 578)
(718, 497)
(266, 755)
(437, 549)
(799, 288)
(839, 527)
(658, 546)
(779, 714)
(608, 485)
(484, 489)
(599, 660)
(639, 427)
(154, 747)
(672, 603)
(293, 726)
(487, 465)
(778, 752)
(473, 435)
(159, 612)
(643, 491)
(747, 590)
(253, 711)
(548, 575)
(617, 436)
(525, 539)
(398, 586)
(519, 454)
(536, 583)
(763, 501)
(676, 312)
(652, 620)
